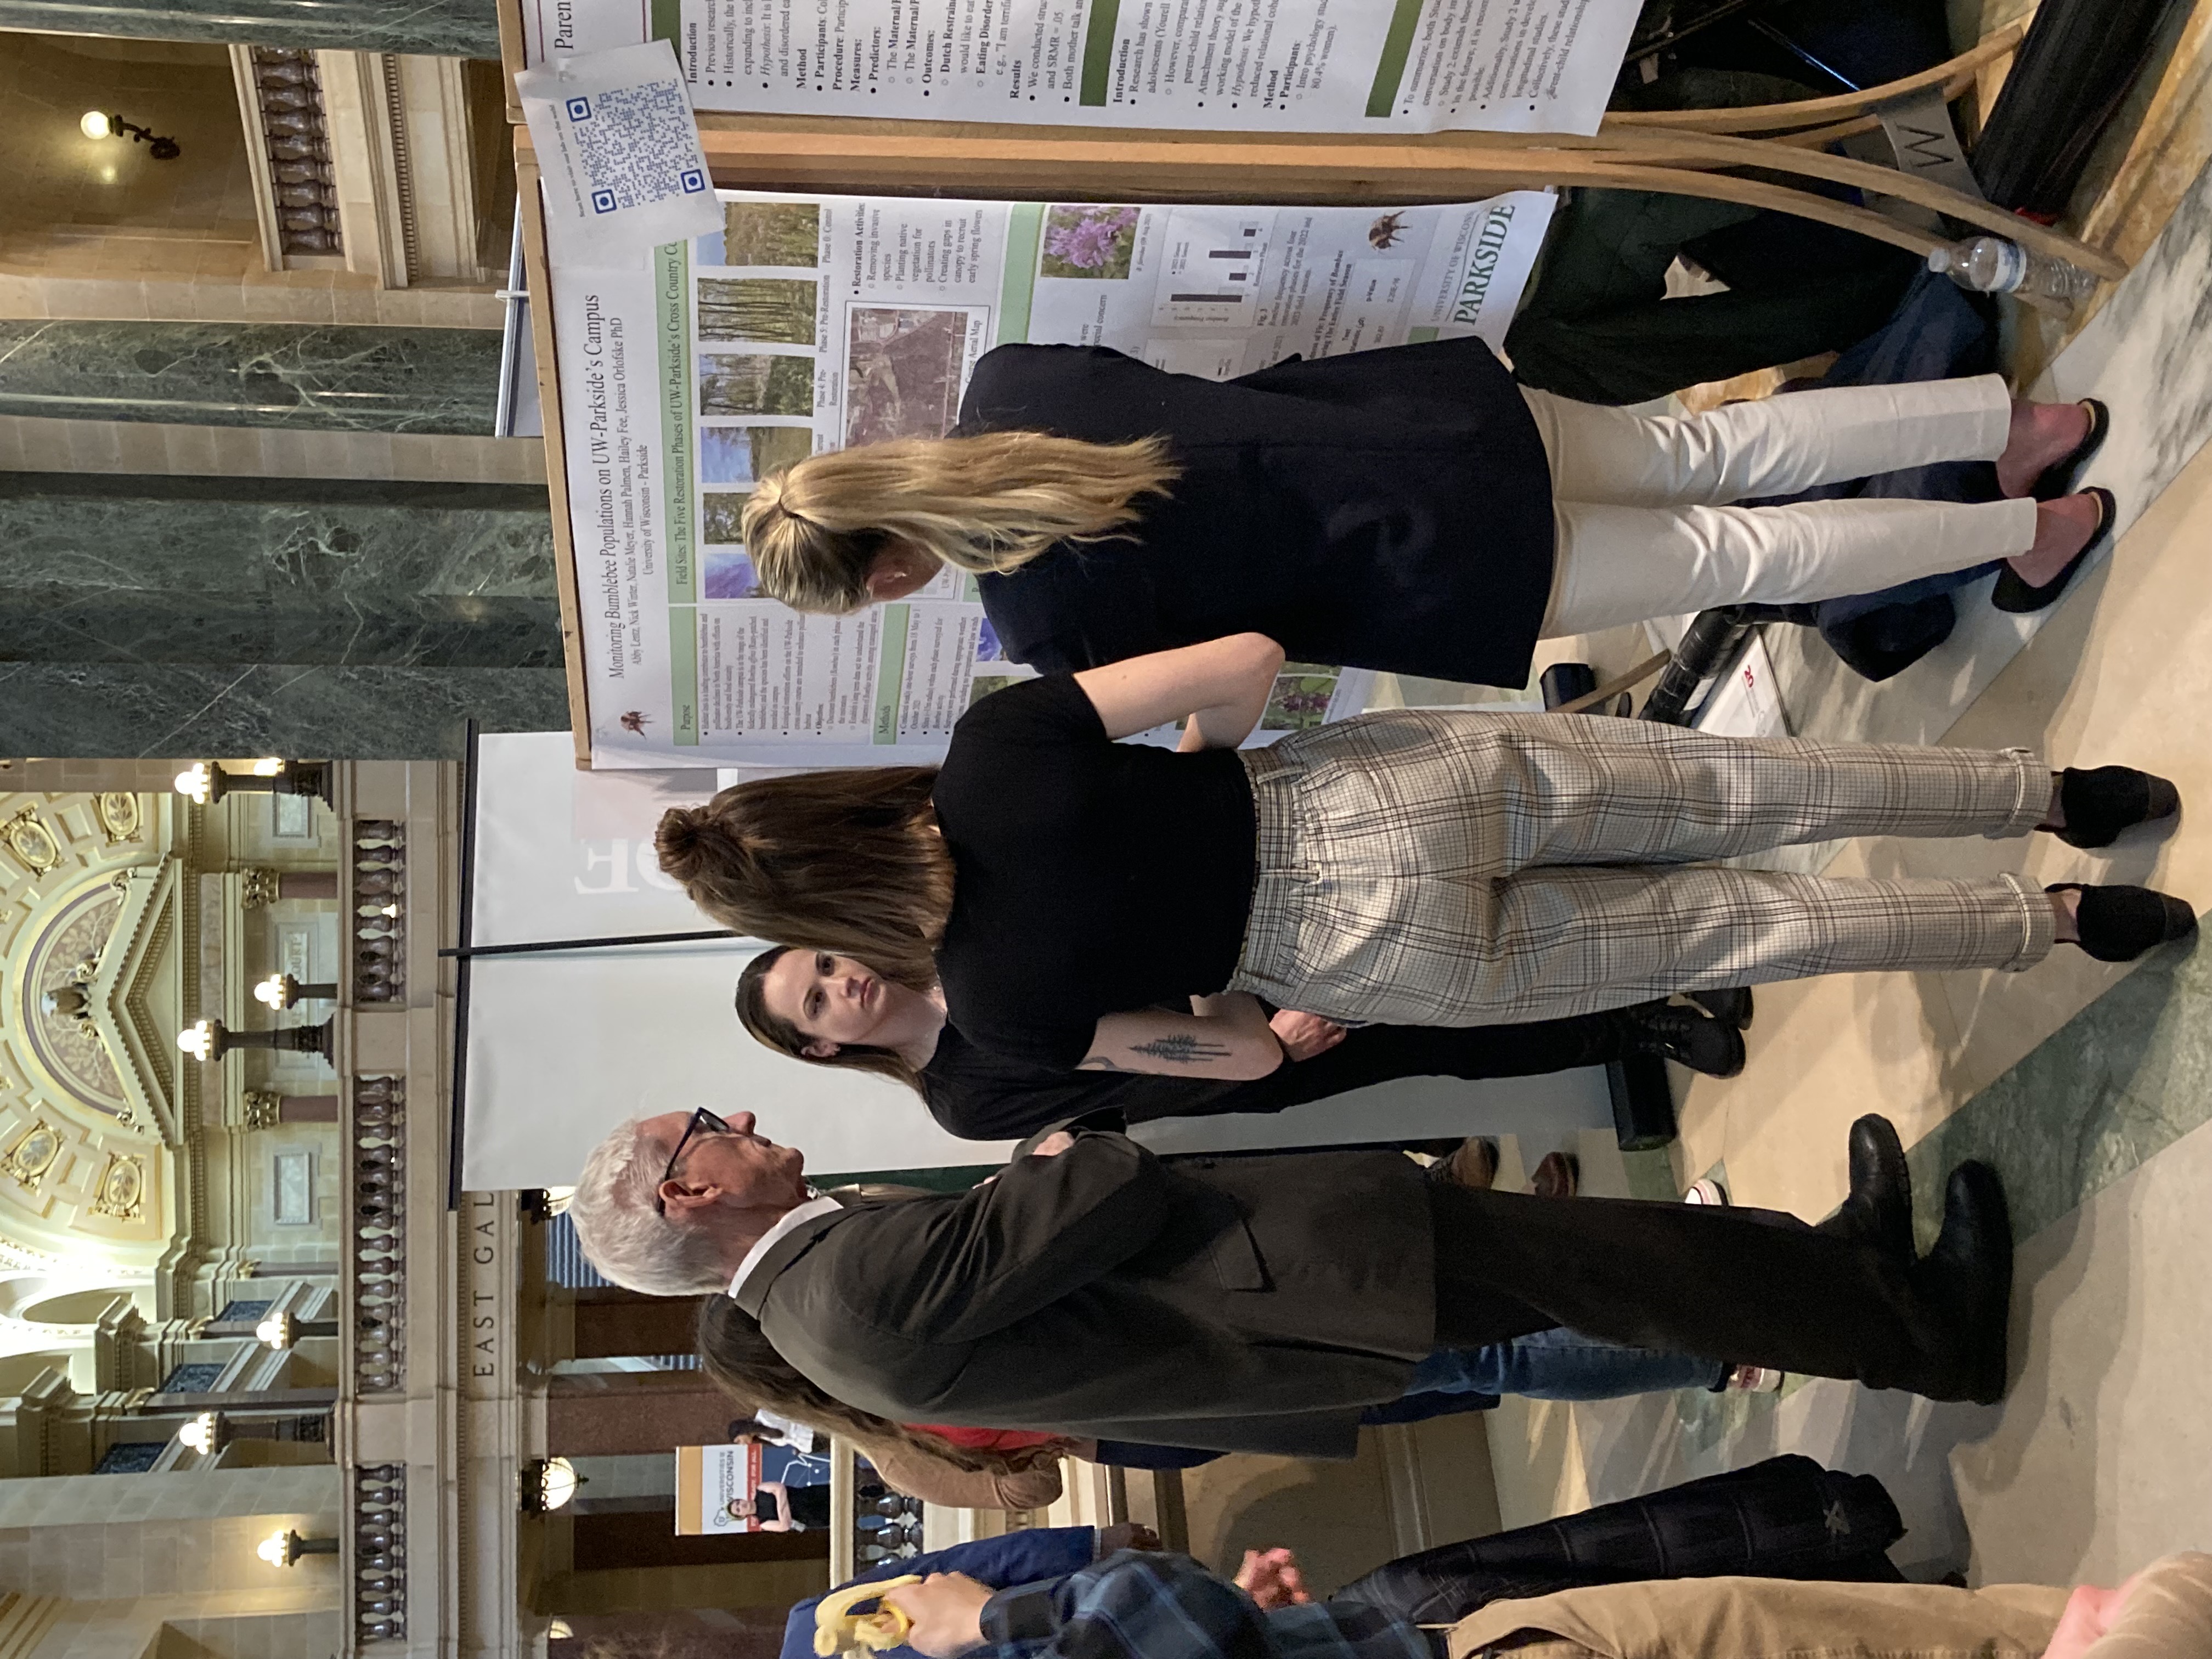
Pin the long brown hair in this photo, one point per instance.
(991, 502)
(847, 861)
(781, 1035)
(739, 1358)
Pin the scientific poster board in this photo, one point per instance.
(812, 322)
(1225, 66)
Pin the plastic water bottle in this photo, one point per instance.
(1991, 265)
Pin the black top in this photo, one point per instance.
(809, 1506)
(981, 1096)
(1384, 509)
(1090, 878)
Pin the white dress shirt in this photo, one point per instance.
(818, 1204)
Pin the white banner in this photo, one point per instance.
(1225, 66)
(563, 1046)
(810, 324)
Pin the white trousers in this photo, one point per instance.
(1642, 500)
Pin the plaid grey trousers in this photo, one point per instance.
(1430, 867)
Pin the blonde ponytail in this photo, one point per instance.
(990, 503)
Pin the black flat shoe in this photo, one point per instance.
(2060, 477)
(1880, 1209)
(2103, 801)
(2119, 924)
(1967, 1282)
(1688, 1038)
(2013, 595)
(1731, 1006)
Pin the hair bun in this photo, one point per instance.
(681, 840)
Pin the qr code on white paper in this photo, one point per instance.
(636, 144)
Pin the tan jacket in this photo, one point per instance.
(917, 1473)
(2168, 1616)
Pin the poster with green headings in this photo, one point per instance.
(814, 323)
(1223, 65)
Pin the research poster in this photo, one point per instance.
(1227, 65)
(810, 323)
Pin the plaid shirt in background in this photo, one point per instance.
(1141, 1604)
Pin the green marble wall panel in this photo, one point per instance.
(326, 378)
(108, 568)
(439, 29)
(315, 711)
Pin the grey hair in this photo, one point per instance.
(624, 1236)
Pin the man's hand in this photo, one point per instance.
(1272, 1579)
(1304, 1036)
(1052, 1145)
(947, 1610)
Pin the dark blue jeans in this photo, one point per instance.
(1555, 1365)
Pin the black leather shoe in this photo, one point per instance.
(1732, 1005)
(2013, 594)
(1687, 1035)
(2102, 801)
(2119, 924)
(1965, 1282)
(1880, 1209)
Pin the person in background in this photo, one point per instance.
(1143, 1606)
(1413, 867)
(867, 1022)
(1016, 1557)
(776, 1506)
(966, 1467)
(1408, 509)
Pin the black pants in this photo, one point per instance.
(1784, 1518)
(1727, 1285)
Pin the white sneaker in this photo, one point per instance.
(1707, 1191)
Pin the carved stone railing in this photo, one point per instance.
(379, 1217)
(379, 874)
(282, 97)
(380, 1553)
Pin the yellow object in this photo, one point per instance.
(838, 1630)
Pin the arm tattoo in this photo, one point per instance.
(1099, 1063)
(1180, 1050)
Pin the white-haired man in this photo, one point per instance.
(1259, 1302)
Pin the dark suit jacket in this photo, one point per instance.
(1236, 1305)
(1385, 509)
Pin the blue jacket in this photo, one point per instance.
(1019, 1558)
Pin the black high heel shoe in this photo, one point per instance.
(2013, 595)
(2119, 924)
(2101, 802)
(2061, 476)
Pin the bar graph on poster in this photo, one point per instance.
(1379, 66)
(811, 324)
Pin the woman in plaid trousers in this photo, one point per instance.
(1056, 888)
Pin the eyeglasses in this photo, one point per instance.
(702, 1121)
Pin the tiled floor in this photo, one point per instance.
(2090, 1087)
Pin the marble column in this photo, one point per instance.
(153, 615)
(436, 28)
(323, 377)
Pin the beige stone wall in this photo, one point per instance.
(31, 444)
(227, 282)
(272, 1623)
